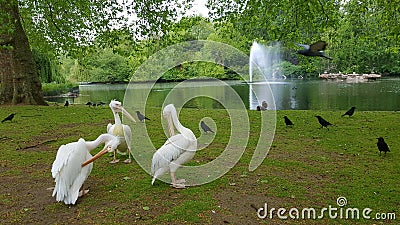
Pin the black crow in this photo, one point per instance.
(9, 117)
(205, 127)
(287, 121)
(350, 112)
(382, 146)
(141, 117)
(89, 104)
(66, 104)
(323, 122)
(315, 49)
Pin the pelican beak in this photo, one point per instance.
(126, 113)
(98, 155)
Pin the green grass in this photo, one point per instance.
(305, 167)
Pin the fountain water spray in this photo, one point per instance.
(264, 62)
(264, 67)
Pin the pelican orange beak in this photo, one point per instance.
(126, 113)
(98, 155)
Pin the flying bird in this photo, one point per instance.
(205, 127)
(382, 146)
(288, 122)
(66, 103)
(315, 49)
(67, 169)
(9, 118)
(141, 117)
(176, 151)
(323, 122)
(121, 130)
(350, 112)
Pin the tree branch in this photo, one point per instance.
(323, 10)
(52, 17)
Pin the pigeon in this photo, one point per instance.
(205, 127)
(315, 49)
(66, 104)
(264, 105)
(9, 117)
(382, 146)
(323, 122)
(288, 122)
(141, 117)
(350, 112)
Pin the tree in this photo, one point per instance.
(19, 77)
(67, 27)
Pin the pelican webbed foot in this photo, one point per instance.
(83, 192)
(178, 186)
(114, 161)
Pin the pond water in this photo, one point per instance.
(380, 95)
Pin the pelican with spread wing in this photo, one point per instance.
(68, 170)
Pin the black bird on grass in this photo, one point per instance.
(315, 49)
(66, 103)
(323, 122)
(288, 122)
(141, 117)
(9, 117)
(382, 146)
(89, 104)
(205, 127)
(350, 112)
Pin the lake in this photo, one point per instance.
(302, 94)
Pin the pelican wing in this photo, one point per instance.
(170, 151)
(110, 128)
(67, 171)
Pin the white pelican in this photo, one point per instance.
(176, 151)
(67, 169)
(120, 130)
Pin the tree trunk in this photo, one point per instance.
(19, 77)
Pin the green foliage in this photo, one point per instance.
(100, 66)
(47, 67)
(291, 70)
(53, 89)
(106, 66)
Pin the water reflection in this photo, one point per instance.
(288, 94)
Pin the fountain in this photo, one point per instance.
(267, 60)
(264, 67)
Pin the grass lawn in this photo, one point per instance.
(305, 167)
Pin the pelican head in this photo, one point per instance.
(116, 107)
(111, 144)
(167, 114)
